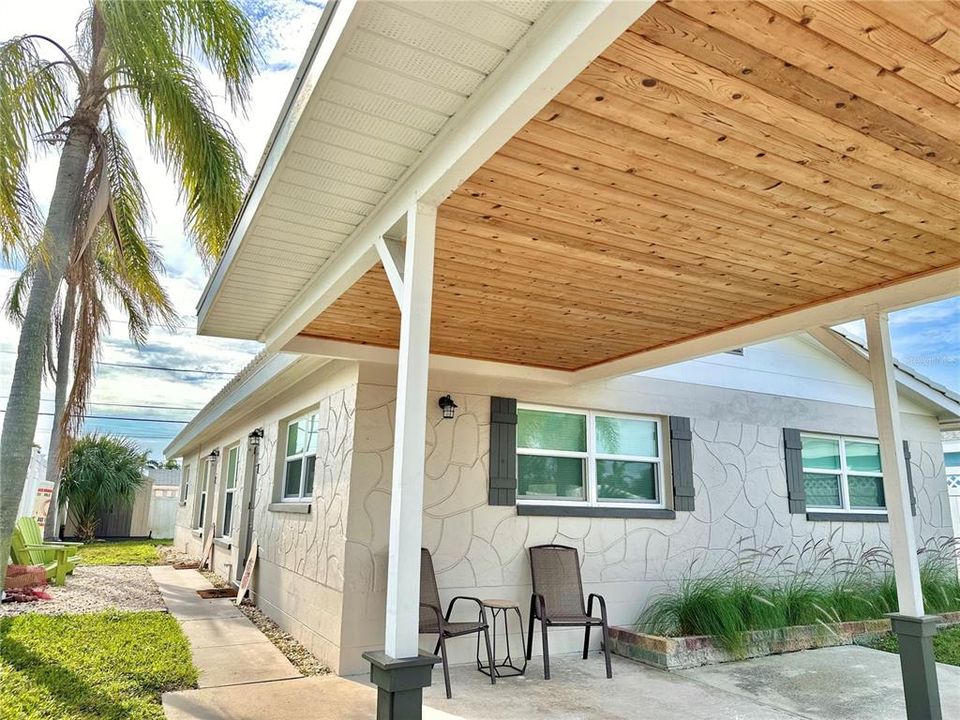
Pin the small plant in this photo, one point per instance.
(101, 472)
(767, 589)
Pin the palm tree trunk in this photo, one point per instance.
(23, 404)
(51, 527)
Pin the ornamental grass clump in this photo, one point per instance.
(774, 588)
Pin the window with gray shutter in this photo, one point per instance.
(681, 460)
(503, 451)
(793, 463)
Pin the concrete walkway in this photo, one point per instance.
(227, 648)
(244, 677)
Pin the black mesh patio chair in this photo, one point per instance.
(557, 600)
(433, 621)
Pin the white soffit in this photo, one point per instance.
(394, 74)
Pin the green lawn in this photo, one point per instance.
(105, 666)
(122, 552)
(946, 645)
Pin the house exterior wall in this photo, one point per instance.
(322, 575)
(299, 581)
(480, 550)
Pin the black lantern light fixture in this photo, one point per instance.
(255, 437)
(447, 406)
(214, 454)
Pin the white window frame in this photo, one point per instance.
(284, 459)
(591, 456)
(200, 507)
(843, 473)
(185, 484)
(229, 494)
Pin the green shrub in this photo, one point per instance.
(767, 590)
(946, 645)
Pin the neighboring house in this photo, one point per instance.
(601, 466)
(36, 490)
(951, 457)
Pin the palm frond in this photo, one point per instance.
(33, 101)
(92, 322)
(151, 46)
(186, 134)
(166, 33)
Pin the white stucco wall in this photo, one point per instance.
(322, 575)
(480, 550)
(300, 567)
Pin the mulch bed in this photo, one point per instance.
(214, 593)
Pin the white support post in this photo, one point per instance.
(406, 502)
(914, 630)
(903, 541)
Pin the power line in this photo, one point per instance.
(151, 367)
(158, 406)
(117, 417)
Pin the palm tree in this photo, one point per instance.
(145, 55)
(101, 473)
(97, 274)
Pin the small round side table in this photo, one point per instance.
(506, 667)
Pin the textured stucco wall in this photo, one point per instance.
(322, 576)
(300, 565)
(480, 550)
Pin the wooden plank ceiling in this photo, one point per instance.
(720, 163)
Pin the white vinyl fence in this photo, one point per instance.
(163, 516)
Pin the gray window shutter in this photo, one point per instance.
(793, 462)
(681, 459)
(913, 494)
(503, 451)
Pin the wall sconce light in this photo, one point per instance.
(255, 437)
(214, 454)
(448, 406)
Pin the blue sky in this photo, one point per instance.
(927, 338)
(159, 401)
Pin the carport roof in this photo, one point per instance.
(722, 172)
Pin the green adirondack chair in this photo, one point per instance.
(28, 548)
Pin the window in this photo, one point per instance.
(185, 484)
(952, 461)
(202, 496)
(300, 461)
(842, 473)
(569, 456)
(229, 489)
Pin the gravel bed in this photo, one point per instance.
(296, 653)
(94, 589)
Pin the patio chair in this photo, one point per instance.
(433, 621)
(28, 548)
(557, 600)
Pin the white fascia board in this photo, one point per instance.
(332, 30)
(339, 350)
(917, 291)
(567, 38)
(215, 410)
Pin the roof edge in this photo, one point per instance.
(288, 116)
